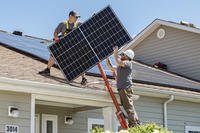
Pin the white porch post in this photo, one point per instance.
(109, 118)
(32, 113)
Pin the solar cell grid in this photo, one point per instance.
(89, 44)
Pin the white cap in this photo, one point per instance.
(129, 53)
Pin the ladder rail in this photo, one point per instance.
(119, 113)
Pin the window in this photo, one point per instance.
(192, 129)
(92, 123)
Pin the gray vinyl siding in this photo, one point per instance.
(80, 119)
(180, 113)
(179, 50)
(22, 101)
(149, 109)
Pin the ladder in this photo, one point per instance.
(119, 113)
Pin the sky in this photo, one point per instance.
(40, 17)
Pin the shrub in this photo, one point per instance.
(146, 128)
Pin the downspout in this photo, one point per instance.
(165, 110)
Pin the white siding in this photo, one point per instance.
(178, 49)
(22, 101)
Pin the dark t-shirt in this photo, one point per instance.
(61, 28)
(124, 76)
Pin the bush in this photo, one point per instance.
(147, 128)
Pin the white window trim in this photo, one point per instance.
(192, 128)
(37, 123)
(94, 121)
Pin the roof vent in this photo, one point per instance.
(19, 33)
(188, 24)
(160, 65)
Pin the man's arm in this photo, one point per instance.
(57, 31)
(117, 58)
(112, 68)
(56, 38)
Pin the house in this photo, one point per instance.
(167, 97)
(177, 45)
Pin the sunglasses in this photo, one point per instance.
(122, 54)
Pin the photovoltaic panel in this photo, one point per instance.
(104, 31)
(89, 44)
(69, 53)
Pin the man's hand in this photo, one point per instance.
(117, 58)
(56, 39)
(115, 50)
(108, 62)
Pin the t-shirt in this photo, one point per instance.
(124, 76)
(61, 28)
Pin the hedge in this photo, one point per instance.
(146, 128)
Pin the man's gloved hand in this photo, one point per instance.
(57, 39)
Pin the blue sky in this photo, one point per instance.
(40, 17)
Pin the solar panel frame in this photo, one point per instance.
(97, 59)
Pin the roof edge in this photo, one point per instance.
(7, 84)
(46, 89)
(152, 26)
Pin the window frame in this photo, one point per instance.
(94, 121)
(192, 128)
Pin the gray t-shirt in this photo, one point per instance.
(61, 28)
(124, 76)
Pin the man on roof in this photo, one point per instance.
(124, 83)
(63, 28)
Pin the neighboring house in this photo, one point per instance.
(165, 98)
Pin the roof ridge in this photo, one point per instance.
(28, 36)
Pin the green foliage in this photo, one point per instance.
(97, 130)
(146, 128)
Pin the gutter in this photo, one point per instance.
(59, 93)
(102, 95)
(165, 110)
(164, 92)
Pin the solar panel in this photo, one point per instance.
(34, 47)
(89, 44)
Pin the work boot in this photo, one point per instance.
(136, 123)
(45, 72)
(84, 81)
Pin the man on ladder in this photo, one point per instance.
(124, 82)
(64, 28)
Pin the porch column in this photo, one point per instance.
(32, 113)
(110, 122)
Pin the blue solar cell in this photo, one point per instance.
(89, 44)
(26, 44)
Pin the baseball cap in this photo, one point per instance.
(73, 13)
